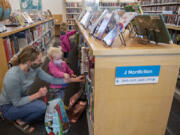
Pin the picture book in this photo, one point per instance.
(153, 27)
(86, 18)
(110, 37)
(126, 18)
(81, 15)
(103, 25)
(96, 23)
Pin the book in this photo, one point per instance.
(86, 18)
(104, 25)
(126, 18)
(27, 17)
(110, 37)
(96, 23)
(153, 27)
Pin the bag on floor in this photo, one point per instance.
(56, 120)
(75, 111)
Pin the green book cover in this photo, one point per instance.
(152, 26)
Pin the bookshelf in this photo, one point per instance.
(170, 10)
(110, 5)
(73, 9)
(15, 38)
(115, 109)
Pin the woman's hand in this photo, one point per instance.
(80, 78)
(42, 91)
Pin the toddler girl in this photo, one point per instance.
(59, 69)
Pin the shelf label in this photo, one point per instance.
(137, 75)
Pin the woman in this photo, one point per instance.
(15, 104)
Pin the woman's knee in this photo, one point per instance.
(39, 106)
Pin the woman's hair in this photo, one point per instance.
(63, 27)
(27, 53)
(54, 50)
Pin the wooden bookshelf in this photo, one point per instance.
(73, 9)
(118, 108)
(161, 4)
(44, 37)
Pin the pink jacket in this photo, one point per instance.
(58, 72)
(65, 43)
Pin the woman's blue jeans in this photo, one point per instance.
(32, 111)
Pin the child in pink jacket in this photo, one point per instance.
(64, 38)
(59, 69)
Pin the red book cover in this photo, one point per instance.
(6, 50)
(12, 47)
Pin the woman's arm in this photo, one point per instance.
(50, 79)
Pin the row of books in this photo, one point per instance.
(38, 36)
(71, 27)
(172, 19)
(175, 35)
(73, 4)
(109, 4)
(146, 2)
(101, 22)
(173, 8)
(73, 10)
(70, 22)
(71, 16)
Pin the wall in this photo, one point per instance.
(56, 6)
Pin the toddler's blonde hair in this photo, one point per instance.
(54, 50)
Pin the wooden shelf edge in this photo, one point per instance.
(173, 27)
(19, 29)
(161, 4)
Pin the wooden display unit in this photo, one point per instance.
(14, 30)
(141, 109)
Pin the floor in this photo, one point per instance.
(81, 127)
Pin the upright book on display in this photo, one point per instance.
(85, 19)
(153, 27)
(97, 22)
(100, 32)
(124, 20)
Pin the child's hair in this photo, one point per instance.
(54, 50)
(63, 27)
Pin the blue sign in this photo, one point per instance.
(137, 74)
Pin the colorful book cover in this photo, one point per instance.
(86, 18)
(110, 37)
(103, 25)
(153, 27)
(126, 18)
(96, 23)
(6, 50)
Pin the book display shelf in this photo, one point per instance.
(124, 108)
(171, 12)
(73, 9)
(15, 38)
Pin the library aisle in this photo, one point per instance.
(121, 58)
